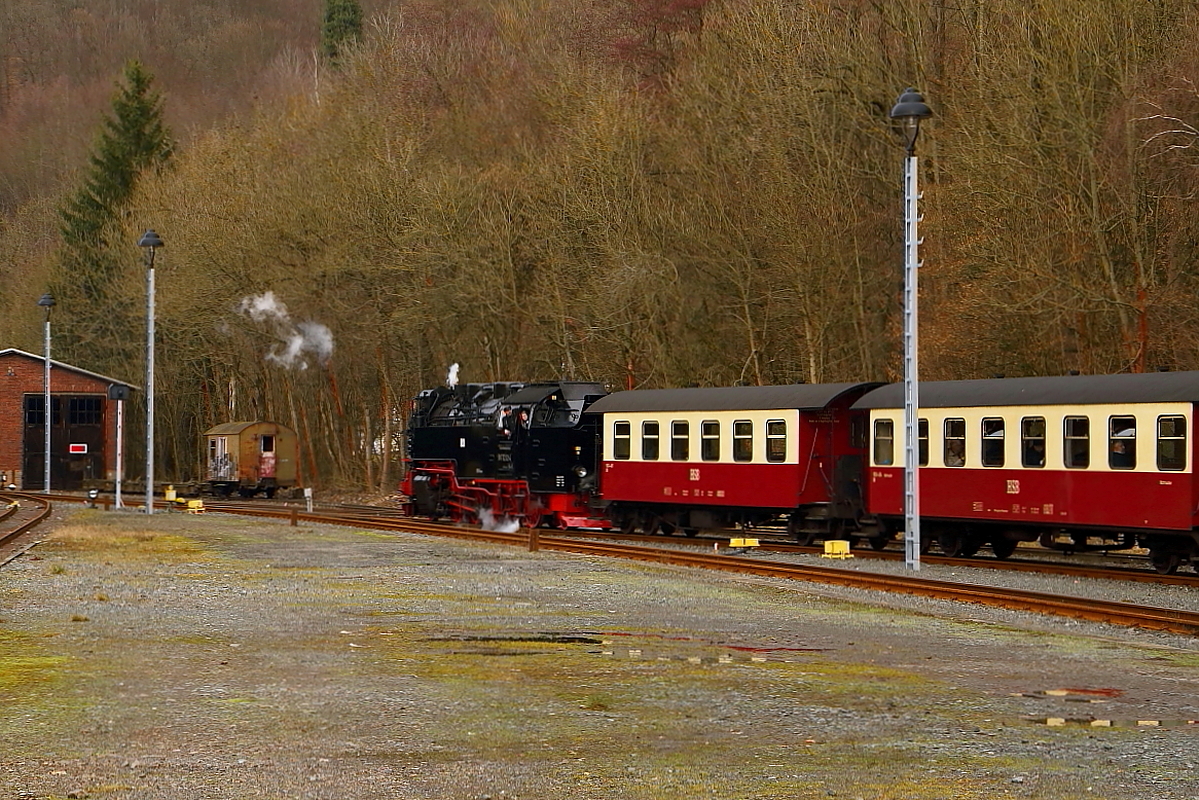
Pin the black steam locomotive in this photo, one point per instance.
(504, 454)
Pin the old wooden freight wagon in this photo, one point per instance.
(250, 458)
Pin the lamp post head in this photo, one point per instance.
(47, 302)
(151, 239)
(908, 110)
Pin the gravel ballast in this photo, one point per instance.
(209, 656)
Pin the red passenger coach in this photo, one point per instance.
(1078, 462)
(717, 458)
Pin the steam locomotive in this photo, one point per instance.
(1075, 462)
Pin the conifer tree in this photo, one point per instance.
(92, 263)
(343, 25)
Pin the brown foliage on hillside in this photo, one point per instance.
(653, 193)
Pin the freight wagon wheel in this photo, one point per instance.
(1164, 561)
(1003, 547)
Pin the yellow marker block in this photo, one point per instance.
(743, 542)
(1055, 722)
(837, 548)
(195, 506)
(1148, 723)
(1101, 723)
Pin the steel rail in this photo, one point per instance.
(1125, 614)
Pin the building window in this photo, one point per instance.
(922, 442)
(884, 442)
(743, 440)
(680, 440)
(993, 437)
(85, 411)
(1032, 441)
(35, 407)
(955, 442)
(1171, 443)
(776, 441)
(649, 441)
(1078, 442)
(709, 442)
(1122, 442)
(622, 435)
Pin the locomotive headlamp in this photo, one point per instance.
(580, 471)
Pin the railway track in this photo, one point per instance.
(1096, 610)
(19, 514)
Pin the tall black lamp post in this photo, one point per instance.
(149, 243)
(46, 302)
(908, 111)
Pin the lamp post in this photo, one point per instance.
(46, 302)
(150, 242)
(908, 111)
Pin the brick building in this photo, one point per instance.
(83, 423)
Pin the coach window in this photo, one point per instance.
(622, 434)
(649, 441)
(884, 442)
(1171, 443)
(776, 441)
(709, 440)
(743, 440)
(922, 441)
(955, 442)
(1077, 439)
(1032, 441)
(1122, 442)
(680, 440)
(993, 441)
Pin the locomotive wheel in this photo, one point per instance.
(1003, 547)
(879, 542)
(1164, 561)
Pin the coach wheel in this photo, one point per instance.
(879, 542)
(1003, 547)
(1165, 561)
(956, 544)
(628, 525)
(690, 532)
(661, 526)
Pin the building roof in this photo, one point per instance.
(726, 398)
(1149, 387)
(232, 428)
(61, 365)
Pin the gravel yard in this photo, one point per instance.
(186, 656)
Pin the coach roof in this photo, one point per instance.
(1149, 387)
(726, 398)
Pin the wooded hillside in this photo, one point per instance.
(644, 192)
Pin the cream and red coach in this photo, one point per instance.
(717, 458)
(1077, 462)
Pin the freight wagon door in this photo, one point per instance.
(266, 459)
(220, 465)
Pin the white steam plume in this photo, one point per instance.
(297, 338)
(451, 378)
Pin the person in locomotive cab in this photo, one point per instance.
(506, 421)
